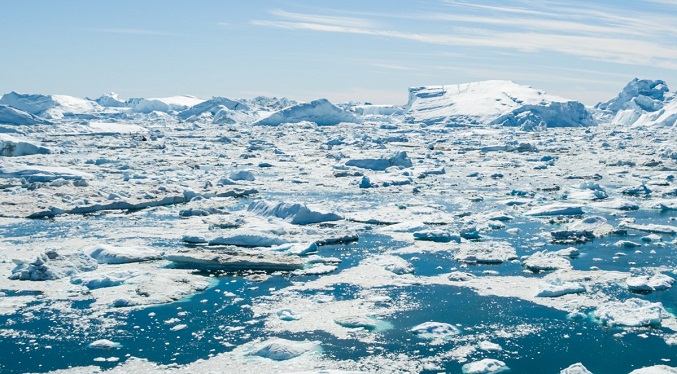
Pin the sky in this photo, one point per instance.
(341, 50)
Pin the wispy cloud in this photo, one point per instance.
(584, 31)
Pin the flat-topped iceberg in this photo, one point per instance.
(493, 102)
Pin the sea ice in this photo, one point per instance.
(435, 330)
(487, 365)
(631, 313)
(109, 254)
(576, 368)
(544, 261)
(646, 283)
(279, 349)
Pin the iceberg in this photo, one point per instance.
(487, 365)
(297, 214)
(11, 146)
(493, 103)
(279, 349)
(321, 112)
(14, 116)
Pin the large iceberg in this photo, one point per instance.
(49, 106)
(642, 102)
(493, 102)
(14, 116)
(321, 111)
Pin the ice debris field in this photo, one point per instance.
(480, 228)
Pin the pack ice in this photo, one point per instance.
(480, 227)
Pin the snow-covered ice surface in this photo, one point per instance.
(182, 235)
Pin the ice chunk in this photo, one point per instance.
(96, 280)
(242, 175)
(544, 261)
(489, 346)
(656, 369)
(35, 173)
(631, 313)
(439, 236)
(576, 368)
(294, 213)
(556, 210)
(400, 159)
(556, 287)
(459, 276)
(248, 238)
(353, 322)
(487, 365)
(108, 254)
(279, 349)
(647, 283)
(104, 344)
(52, 265)
(321, 111)
(485, 252)
(235, 261)
(435, 330)
(315, 270)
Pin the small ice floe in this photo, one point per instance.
(354, 322)
(576, 368)
(288, 315)
(488, 346)
(51, 265)
(545, 261)
(400, 159)
(297, 214)
(656, 369)
(627, 244)
(396, 265)
(556, 210)
(235, 261)
(179, 327)
(242, 175)
(104, 344)
(596, 225)
(279, 349)
(248, 238)
(319, 269)
(95, 280)
(651, 238)
(435, 330)
(487, 365)
(652, 228)
(630, 313)
(439, 236)
(556, 287)
(459, 276)
(485, 253)
(645, 283)
(108, 254)
(568, 252)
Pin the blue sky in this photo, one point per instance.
(341, 50)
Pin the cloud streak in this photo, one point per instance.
(585, 31)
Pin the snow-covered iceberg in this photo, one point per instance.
(49, 106)
(642, 102)
(297, 214)
(321, 111)
(14, 116)
(493, 102)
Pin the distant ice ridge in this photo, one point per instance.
(641, 103)
(493, 103)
